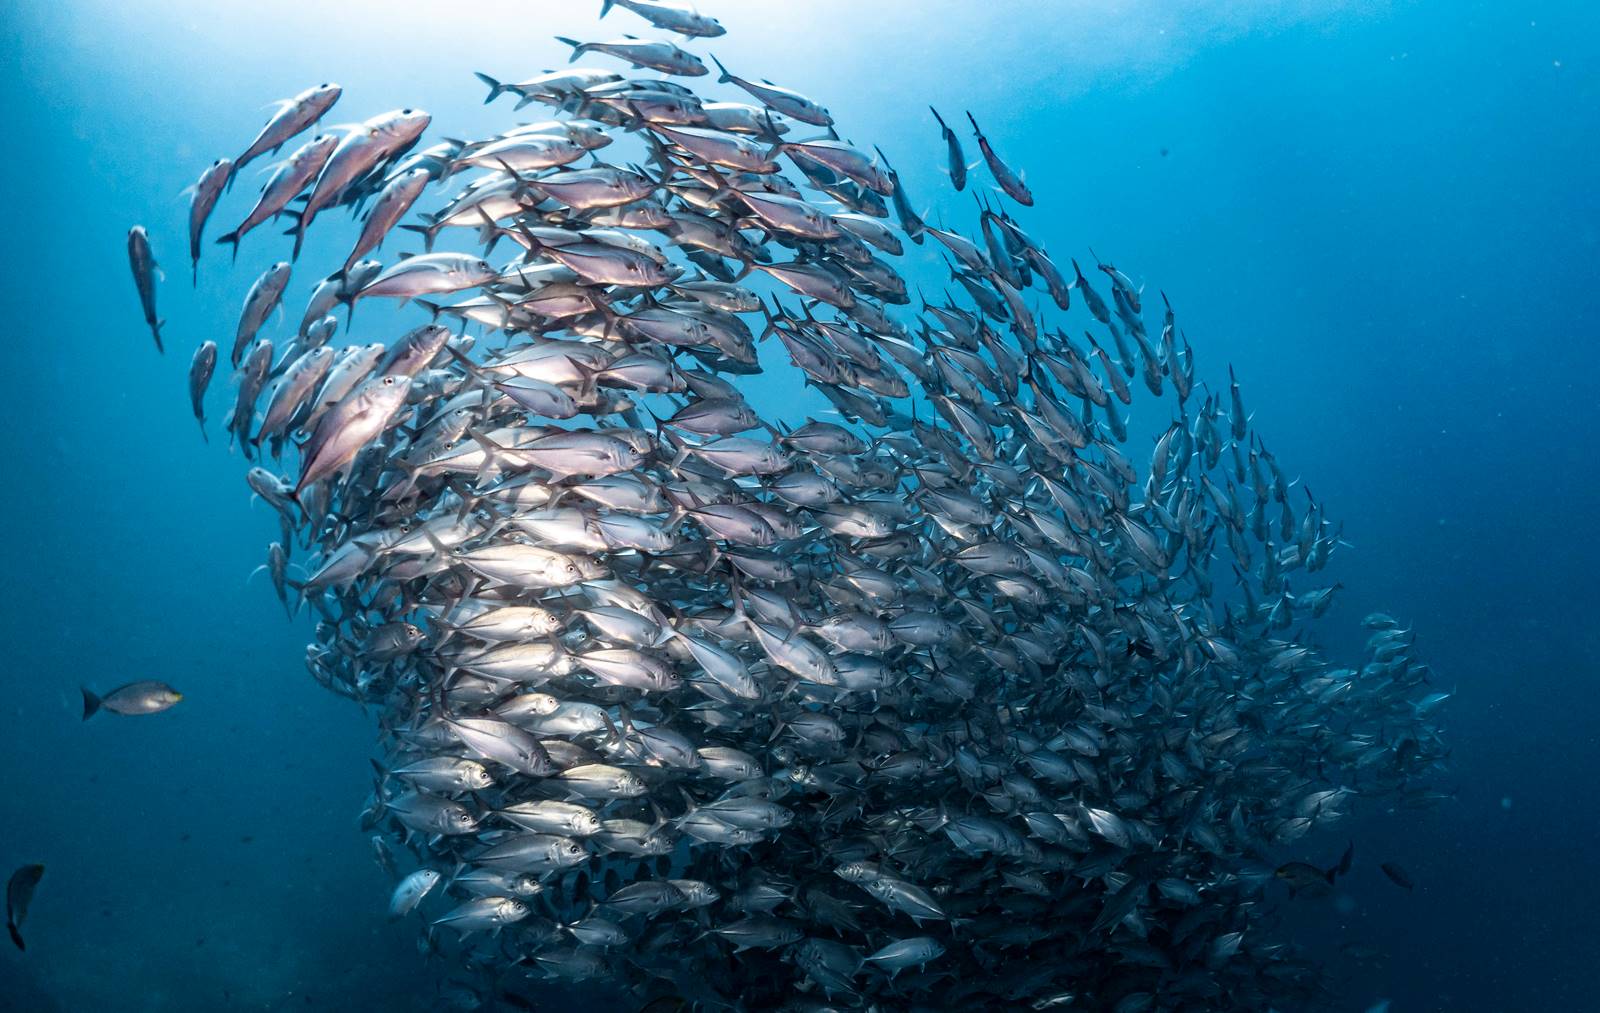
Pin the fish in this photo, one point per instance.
(673, 15)
(409, 892)
(429, 274)
(19, 896)
(928, 696)
(485, 913)
(1009, 181)
(1301, 877)
(383, 854)
(1398, 875)
(265, 296)
(145, 273)
(289, 178)
(643, 54)
(361, 150)
(391, 205)
(786, 101)
(145, 697)
(956, 160)
(353, 423)
(292, 116)
(200, 370)
(203, 199)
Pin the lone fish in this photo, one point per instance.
(145, 269)
(144, 697)
(19, 894)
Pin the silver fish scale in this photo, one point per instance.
(943, 700)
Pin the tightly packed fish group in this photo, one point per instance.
(942, 698)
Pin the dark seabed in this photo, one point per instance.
(1383, 215)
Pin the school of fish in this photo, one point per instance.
(951, 697)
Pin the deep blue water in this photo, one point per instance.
(1383, 215)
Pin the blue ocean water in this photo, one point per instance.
(1383, 215)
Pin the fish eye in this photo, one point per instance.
(388, 381)
(407, 112)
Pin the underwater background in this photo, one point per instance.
(1383, 215)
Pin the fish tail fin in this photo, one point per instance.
(155, 332)
(605, 7)
(577, 47)
(726, 77)
(91, 704)
(232, 239)
(293, 497)
(496, 88)
(492, 456)
(429, 230)
(16, 937)
(194, 273)
(472, 369)
(299, 588)
(975, 128)
(942, 124)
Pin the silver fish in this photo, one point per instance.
(203, 198)
(200, 370)
(145, 272)
(293, 116)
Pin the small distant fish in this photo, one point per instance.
(200, 370)
(19, 894)
(1347, 859)
(1303, 877)
(145, 272)
(146, 697)
(1398, 875)
(384, 855)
